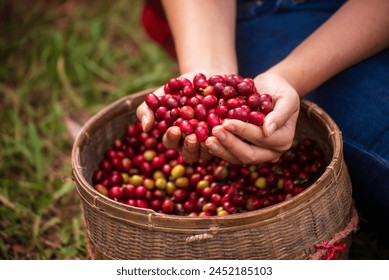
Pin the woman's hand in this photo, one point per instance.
(191, 150)
(244, 143)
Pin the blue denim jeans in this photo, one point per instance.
(357, 99)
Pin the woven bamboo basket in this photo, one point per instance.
(307, 226)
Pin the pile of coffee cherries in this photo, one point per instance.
(199, 105)
(139, 171)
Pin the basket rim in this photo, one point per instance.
(272, 212)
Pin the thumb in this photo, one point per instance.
(145, 114)
(284, 109)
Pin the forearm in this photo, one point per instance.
(204, 34)
(355, 32)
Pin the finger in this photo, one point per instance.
(146, 116)
(247, 153)
(190, 149)
(283, 136)
(255, 135)
(204, 152)
(159, 91)
(172, 138)
(247, 131)
(284, 109)
(218, 150)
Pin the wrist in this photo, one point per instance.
(208, 63)
(290, 75)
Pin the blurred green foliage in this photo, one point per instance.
(58, 57)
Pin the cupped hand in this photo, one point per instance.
(190, 149)
(244, 143)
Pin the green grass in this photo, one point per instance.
(58, 57)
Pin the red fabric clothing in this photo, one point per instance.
(154, 22)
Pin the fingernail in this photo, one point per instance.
(144, 122)
(271, 128)
(219, 133)
(229, 126)
(213, 146)
(190, 142)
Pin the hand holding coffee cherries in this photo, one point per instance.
(263, 143)
(226, 115)
(190, 148)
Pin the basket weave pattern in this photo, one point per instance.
(287, 230)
